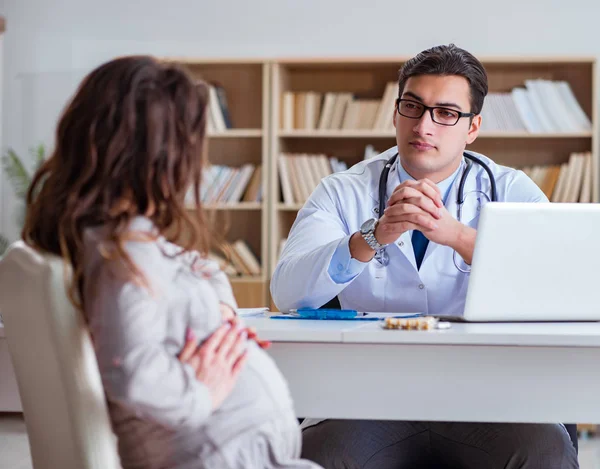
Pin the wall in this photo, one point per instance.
(50, 44)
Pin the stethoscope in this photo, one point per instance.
(382, 256)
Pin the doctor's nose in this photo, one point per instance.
(424, 125)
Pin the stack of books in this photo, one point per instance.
(238, 259)
(228, 185)
(568, 182)
(540, 106)
(337, 111)
(300, 173)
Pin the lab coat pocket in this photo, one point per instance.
(366, 292)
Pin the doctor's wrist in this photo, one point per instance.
(464, 242)
(359, 249)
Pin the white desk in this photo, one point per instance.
(471, 372)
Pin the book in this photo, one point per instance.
(222, 100)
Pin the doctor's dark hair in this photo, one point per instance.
(447, 60)
(129, 143)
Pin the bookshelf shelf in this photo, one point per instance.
(238, 206)
(391, 135)
(335, 134)
(549, 135)
(247, 279)
(289, 207)
(237, 133)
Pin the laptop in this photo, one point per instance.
(535, 262)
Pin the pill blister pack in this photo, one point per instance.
(425, 323)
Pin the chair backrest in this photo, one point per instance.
(59, 383)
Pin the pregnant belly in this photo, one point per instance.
(261, 394)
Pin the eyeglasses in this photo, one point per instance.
(439, 115)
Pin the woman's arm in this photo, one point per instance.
(129, 329)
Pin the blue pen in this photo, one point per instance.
(334, 314)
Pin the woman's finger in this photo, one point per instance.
(238, 347)
(189, 347)
(227, 311)
(224, 348)
(264, 344)
(239, 364)
(208, 349)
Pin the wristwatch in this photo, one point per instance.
(367, 231)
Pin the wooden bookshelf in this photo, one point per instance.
(366, 78)
(246, 86)
(387, 135)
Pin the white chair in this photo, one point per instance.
(55, 364)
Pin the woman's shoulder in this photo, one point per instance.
(142, 245)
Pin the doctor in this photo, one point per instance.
(414, 256)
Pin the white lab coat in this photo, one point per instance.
(338, 207)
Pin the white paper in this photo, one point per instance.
(252, 312)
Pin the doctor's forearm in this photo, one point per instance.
(302, 278)
(359, 249)
(464, 243)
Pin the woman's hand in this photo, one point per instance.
(263, 344)
(227, 312)
(218, 361)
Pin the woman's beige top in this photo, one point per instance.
(160, 412)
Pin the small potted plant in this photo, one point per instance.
(20, 179)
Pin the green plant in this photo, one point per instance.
(20, 180)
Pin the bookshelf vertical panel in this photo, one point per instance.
(246, 87)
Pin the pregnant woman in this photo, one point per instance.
(186, 387)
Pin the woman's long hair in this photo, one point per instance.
(129, 143)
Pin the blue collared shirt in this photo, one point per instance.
(343, 267)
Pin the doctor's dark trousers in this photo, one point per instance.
(362, 444)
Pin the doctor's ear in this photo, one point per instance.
(474, 129)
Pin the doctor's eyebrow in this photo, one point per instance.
(418, 98)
